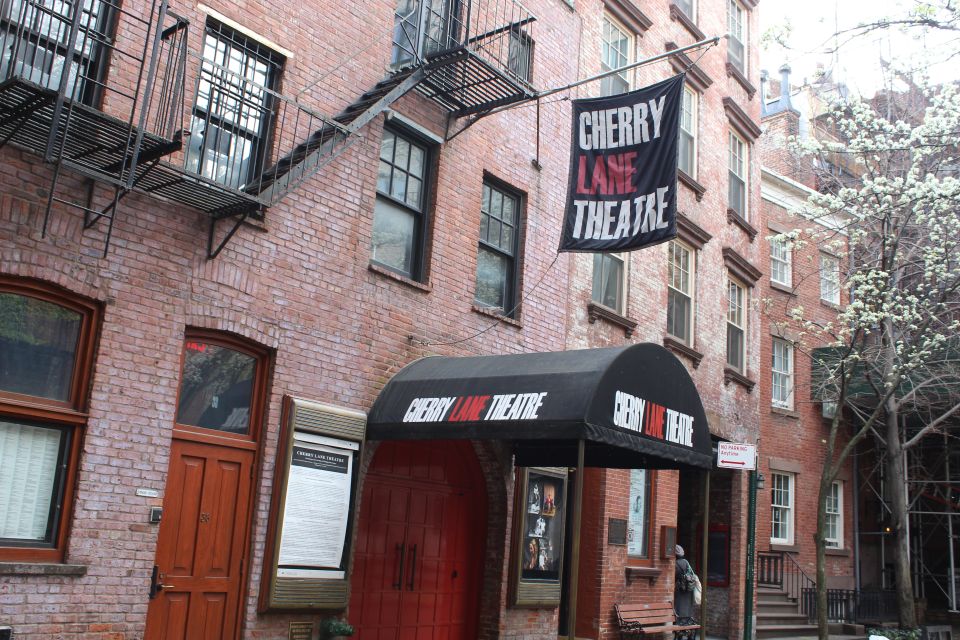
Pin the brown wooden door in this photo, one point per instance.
(417, 565)
(200, 551)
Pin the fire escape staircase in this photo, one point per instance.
(126, 123)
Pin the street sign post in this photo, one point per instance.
(734, 455)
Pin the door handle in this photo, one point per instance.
(413, 566)
(399, 583)
(155, 586)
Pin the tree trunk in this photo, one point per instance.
(897, 488)
(819, 538)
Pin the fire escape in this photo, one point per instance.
(143, 112)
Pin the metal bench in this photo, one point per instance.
(641, 620)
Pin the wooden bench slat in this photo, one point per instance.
(648, 619)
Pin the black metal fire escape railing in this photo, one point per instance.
(145, 112)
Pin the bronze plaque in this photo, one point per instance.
(616, 531)
(301, 631)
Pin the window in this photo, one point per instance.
(687, 151)
(688, 7)
(680, 292)
(497, 254)
(617, 52)
(736, 324)
(419, 31)
(37, 33)
(781, 508)
(638, 517)
(609, 275)
(233, 112)
(737, 28)
(834, 533)
(520, 55)
(737, 197)
(829, 279)
(781, 262)
(782, 374)
(47, 342)
(399, 216)
(221, 385)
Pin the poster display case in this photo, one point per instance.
(313, 508)
(540, 520)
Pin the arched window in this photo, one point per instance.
(47, 342)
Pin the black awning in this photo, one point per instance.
(634, 406)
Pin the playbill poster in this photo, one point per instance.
(621, 194)
(317, 508)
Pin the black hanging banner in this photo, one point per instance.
(623, 170)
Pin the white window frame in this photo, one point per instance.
(692, 13)
(829, 278)
(781, 262)
(737, 318)
(786, 507)
(781, 370)
(597, 296)
(631, 44)
(691, 286)
(738, 159)
(689, 112)
(835, 516)
(737, 31)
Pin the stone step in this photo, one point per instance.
(785, 630)
(778, 619)
(776, 605)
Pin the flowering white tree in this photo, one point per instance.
(893, 354)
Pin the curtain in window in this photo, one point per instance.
(28, 457)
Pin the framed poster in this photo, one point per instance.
(313, 507)
(538, 536)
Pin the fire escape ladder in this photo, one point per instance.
(326, 143)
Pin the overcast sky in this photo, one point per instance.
(813, 23)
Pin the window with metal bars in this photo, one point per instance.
(497, 253)
(233, 112)
(35, 44)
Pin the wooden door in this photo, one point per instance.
(417, 566)
(200, 551)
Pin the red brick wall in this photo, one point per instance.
(795, 440)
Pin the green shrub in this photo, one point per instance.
(333, 627)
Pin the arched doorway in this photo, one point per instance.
(418, 559)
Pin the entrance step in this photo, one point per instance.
(785, 630)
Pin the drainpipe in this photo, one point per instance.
(748, 629)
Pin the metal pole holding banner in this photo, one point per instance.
(751, 549)
(575, 551)
(704, 554)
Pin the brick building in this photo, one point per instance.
(793, 425)
(189, 250)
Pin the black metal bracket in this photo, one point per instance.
(239, 219)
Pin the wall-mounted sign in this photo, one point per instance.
(313, 508)
(735, 455)
(317, 508)
(538, 538)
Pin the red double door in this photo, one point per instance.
(418, 561)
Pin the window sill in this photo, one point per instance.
(782, 288)
(787, 413)
(740, 221)
(739, 76)
(413, 284)
(595, 311)
(732, 375)
(830, 305)
(680, 348)
(836, 551)
(688, 181)
(677, 15)
(789, 548)
(492, 312)
(39, 569)
(635, 573)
